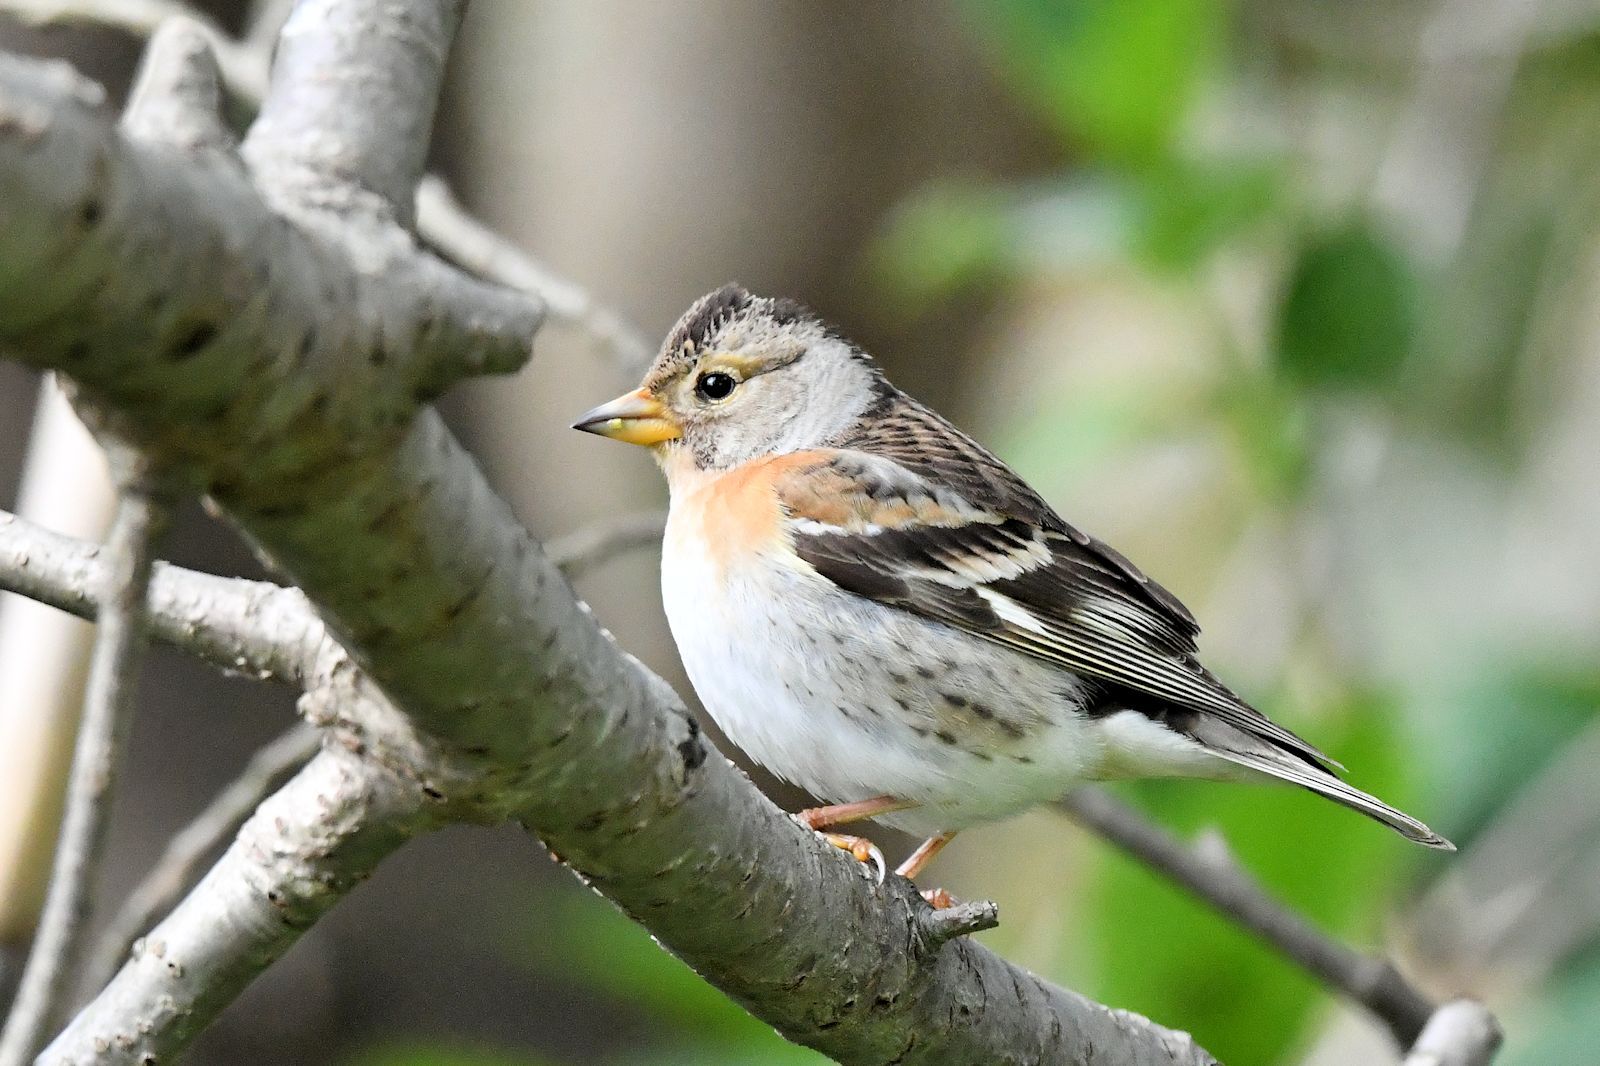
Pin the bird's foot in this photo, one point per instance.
(938, 898)
(862, 850)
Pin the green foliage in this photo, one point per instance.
(1191, 208)
(441, 1055)
(1119, 77)
(580, 940)
(1270, 423)
(1348, 317)
(948, 237)
(1070, 437)
(1164, 954)
(1568, 1027)
(1501, 728)
(1504, 304)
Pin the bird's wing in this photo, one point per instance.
(937, 526)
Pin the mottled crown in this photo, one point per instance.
(732, 317)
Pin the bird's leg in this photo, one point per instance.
(843, 813)
(860, 848)
(923, 855)
(937, 898)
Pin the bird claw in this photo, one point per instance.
(862, 850)
(938, 898)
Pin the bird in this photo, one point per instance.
(875, 608)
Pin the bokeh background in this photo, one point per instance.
(1294, 302)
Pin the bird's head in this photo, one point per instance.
(740, 377)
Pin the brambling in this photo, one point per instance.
(878, 610)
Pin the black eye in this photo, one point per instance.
(714, 386)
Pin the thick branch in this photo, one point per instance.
(102, 738)
(177, 98)
(1214, 876)
(244, 320)
(349, 114)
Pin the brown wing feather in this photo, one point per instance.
(924, 442)
(918, 516)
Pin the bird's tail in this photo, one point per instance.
(1287, 767)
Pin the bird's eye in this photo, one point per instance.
(714, 386)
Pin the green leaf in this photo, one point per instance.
(1500, 730)
(1272, 431)
(946, 237)
(582, 941)
(1119, 76)
(1349, 313)
(1163, 953)
(1191, 208)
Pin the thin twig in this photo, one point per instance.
(180, 865)
(461, 238)
(255, 628)
(108, 702)
(307, 846)
(1211, 873)
(1460, 1033)
(582, 549)
(948, 923)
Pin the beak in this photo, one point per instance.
(633, 418)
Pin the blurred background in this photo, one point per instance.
(1295, 303)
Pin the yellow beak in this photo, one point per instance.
(633, 418)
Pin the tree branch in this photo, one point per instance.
(177, 97)
(589, 546)
(521, 704)
(243, 63)
(102, 737)
(449, 229)
(249, 627)
(174, 873)
(1212, 874)
(443, 223)
(1460, 1033)
(349, 113)
(303, 849)
(255, 628)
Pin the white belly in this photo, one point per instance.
(850, 699)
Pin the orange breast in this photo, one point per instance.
(735, 515)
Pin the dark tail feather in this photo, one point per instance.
(1287, 767)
